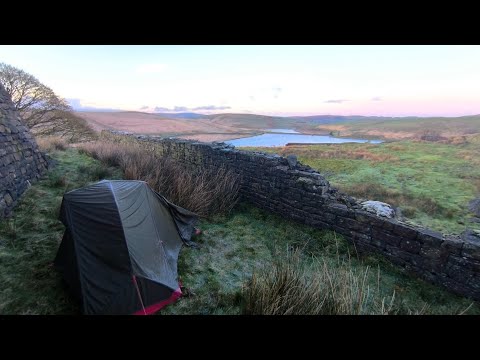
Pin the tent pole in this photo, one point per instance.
(139, 295)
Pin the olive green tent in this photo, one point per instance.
(120, 248)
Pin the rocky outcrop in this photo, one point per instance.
(21, 162)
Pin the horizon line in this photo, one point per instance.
(106, 110)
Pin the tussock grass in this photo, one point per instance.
(51, 143)
(289, 287)
(398, 198)
(242, 259)
(203, 191)
(365, 152)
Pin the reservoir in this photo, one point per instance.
(271, 140)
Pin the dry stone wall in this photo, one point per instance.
(21, 162)
(286, 187)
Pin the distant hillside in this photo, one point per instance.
(405, 128)
(340, 119)
(185, 115)
(328, 119)
(146, 123)
(157, 124)
(255, 122)
(229, 126)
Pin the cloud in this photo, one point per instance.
(184, 108)
(276, 92)
(252, 98)
(161, 109)
(211, 107)
(336, 101)
(150, 68)
(377, 98)
(180, 108)
(76, 105)
(144, 107)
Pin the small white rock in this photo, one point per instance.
(379, 208)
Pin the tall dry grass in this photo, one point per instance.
(50, 143)
(356, 153)
(370, 190)
(287, 287)
(203, 191)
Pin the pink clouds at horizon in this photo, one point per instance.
(407, 107)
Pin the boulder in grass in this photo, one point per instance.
(378, 208)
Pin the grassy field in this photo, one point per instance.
(29, 240)
(218, 274)
(405, 128)
(252, 240)
(431, 182)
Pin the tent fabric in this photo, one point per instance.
(156, 307)
(120, 248)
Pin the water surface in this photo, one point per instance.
(270, 140)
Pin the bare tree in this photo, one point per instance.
(43, 111)
(72, 127)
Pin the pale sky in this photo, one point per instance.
(397, 80)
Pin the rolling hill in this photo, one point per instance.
(184, 115)
(406, 127)
(156, 124)
(220, 127)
